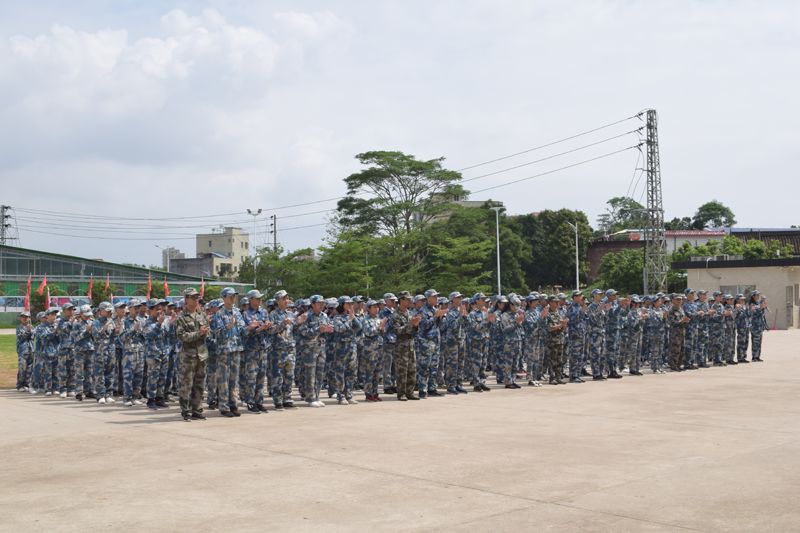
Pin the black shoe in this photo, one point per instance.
(289, 404)
(560, 381)
(198, 416)
(161, 403)
(90, 395)
(516, 386)
(213, 405)
(423, 394)
(477, 388)
(585, 373)
(704, 365)
(435, 392)
(635, 373)
(79, 397)
(757, 360)
(614, 376)
(236, 413)
(485, 387)
(452, 391)
(745, 361)
(574, 380)
(253, 409)
(553, 382)
(598, 378)
(186, 417)
(227, 414)
(732, 362)
(461, 390)
(151, 404)
(261, 408)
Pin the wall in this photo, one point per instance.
(771, 281)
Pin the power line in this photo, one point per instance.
(581, 134)
(559, 169)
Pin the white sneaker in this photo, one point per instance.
(32, 390)
(352, 401)
(110, 399)
(63, 395)
(71, 394)
(22, 389)
(137, 402)
(48, 393)
(343, 401)
(128, 404)
(101, 400)
(314, 404)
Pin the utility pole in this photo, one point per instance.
(655, 254)
(497, 210)
(4, 224)
(274, 231)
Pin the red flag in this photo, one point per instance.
(166, 287)
(28, 294)
(107, 283)
(91, 284)
(149, 285)
(42, 286)
(202, 287)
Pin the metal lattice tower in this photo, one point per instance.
(655, 253)
(8, 227)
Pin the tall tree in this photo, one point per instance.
(684, 223)
(396, 192)
(622, 213)
(713, 214)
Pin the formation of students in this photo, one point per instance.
(232, 352)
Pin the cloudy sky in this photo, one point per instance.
(130, 112)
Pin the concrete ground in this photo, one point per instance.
(710, 450)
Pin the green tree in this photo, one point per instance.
(401, 192)
(755, 249)
(622, 213)
(684, 223)
(622, 271)
(732, 246)
(713, 214)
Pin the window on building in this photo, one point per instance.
(209, 244)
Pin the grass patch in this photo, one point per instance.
(8, 361)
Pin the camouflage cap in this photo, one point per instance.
(716, 293)
(687, 291)
(389, 296)
(68, 305)
(610, 292)
(191, 292)
(371, 302)
(514, 300)
(228, 291)
(25, 314)
(255, 294)
(152, 302)
(453, 295)
(280, 294)
(431, 292)
(53, 310)
(40, 315)
(577, 293)
(316, 298)
(419, 298)
(344, 300)
(404, 295)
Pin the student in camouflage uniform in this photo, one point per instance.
(47, 353)
(83, 353)
(153, 350)
(24, 349)
(452, 325)
(389, 341)
(510, 326)
(372, 328)
(429, 337)
(133, 355)
(653, 331)
(716, 329)
(633, 326)
(613, 324)
(576, 332)
(758, 323)
(282, 356)
(312, 326)
(690, 309)
(556, 327)
(403, 324)
(742, 321)
(66, 368)
(532, 335)
(701, 342)
(227, 326)
(345, 327)
(192, 329)
(596, 315)
(212, 393)
(677, 320)
(255, 347)
(104, 369)
(729, 323)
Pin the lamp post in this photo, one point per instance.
(254, 214)
(497, 210)
(577, 268)
(167, 249)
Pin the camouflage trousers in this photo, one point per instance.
(533, 358)
(450, 355)
(330, 375)
(228, 379)
(255, 372)
(676, 355)
(83, 361)
(689, 344)
(742, 336)
(612, 350)
(44, 375)
(427, 365)
(156, 374)
(632, 350)
(344, 369)
(717, 343)
(729, 344)
(132, 373)
(191, 376)
(555, 358)
(506, 358)
(476, 360)
(755, 341)
(389, 379)
(281, 366)
(36, 371)
(173, 368)
(576, 351)
(212, 394)
(374, 358)
(24, 368)
(405, 365)
(597, 341)
(701, 343)
(104, 370)
(313, 371)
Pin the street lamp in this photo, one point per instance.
(254, 214)
(167, 249)
(497, 210)
(577, 269)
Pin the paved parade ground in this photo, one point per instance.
(708, 450)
